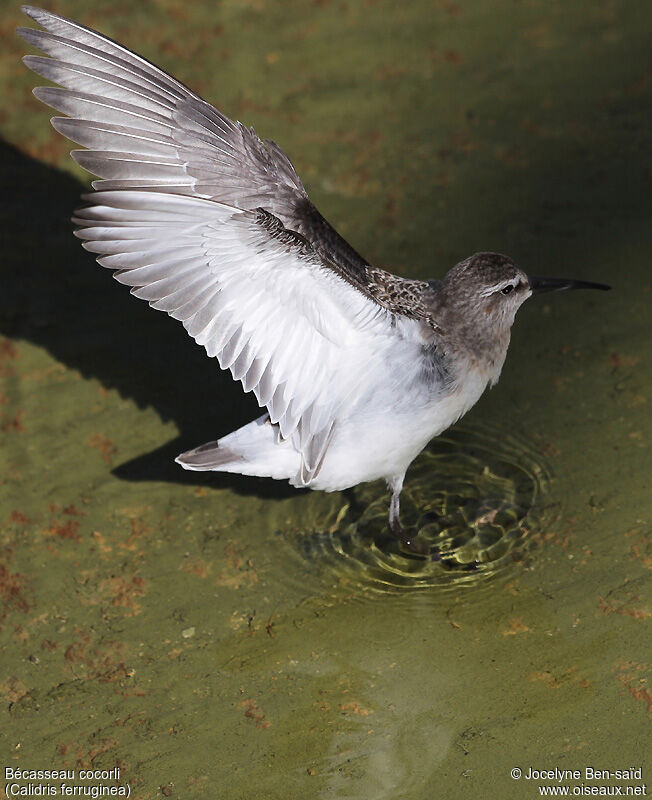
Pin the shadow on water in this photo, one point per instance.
(54, 295)
(475, 496)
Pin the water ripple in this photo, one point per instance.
(475, 495)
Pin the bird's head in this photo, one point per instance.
(489, 288)
(486, 288)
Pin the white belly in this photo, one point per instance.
(377, 436)
(384, 434)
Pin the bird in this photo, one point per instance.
(356, 368)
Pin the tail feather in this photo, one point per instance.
(209, 456)
(254, 449)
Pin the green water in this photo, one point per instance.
(218, 637)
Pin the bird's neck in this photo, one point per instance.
(477, 347)
(472, 339)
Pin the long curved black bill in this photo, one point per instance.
(559, 284)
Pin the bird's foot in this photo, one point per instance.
(409, 542)
(431, 552)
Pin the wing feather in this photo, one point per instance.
(204, 220)
(115, 138)
(81, 78)
(270, 311)
(117, 102)
(65, 35)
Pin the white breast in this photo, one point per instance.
(393, 422)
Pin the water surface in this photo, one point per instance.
(218, 637)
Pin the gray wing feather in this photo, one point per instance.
(146, 130)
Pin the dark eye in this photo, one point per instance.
(507, 289)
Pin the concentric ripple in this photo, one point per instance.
(475, 496)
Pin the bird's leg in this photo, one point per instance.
(395, 485)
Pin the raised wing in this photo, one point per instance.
(212, 225)
(146, 130)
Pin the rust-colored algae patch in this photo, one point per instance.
(197, 567)
(99, 662)
(66, 530)
(104, 447)
(102, 543)
(138, 530)
(19, 518)
(73, 511)
(253, 712)
(75, 755)
(353, 707)
(634, 609)
(8, 353)
(617, 360)
(641, 547)
(13, 689)
(136, 541)
(67, 525)
(124, 591)
(12, 587)
(236, 570)
(12, 423)
(515, 626)
(552, 681)
(633, 676)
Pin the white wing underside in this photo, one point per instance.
(290, 330)
(176, 218)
